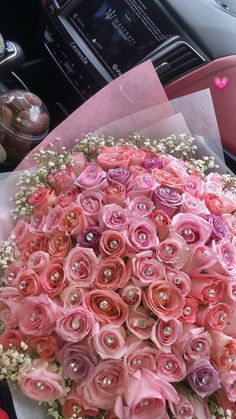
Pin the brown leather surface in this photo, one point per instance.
(224, 101)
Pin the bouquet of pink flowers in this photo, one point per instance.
(118, 281)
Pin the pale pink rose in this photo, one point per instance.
(224, 351)
(212, 187)
(146, 269)
(91, 202)
(92, 177)
(108, 380)
(195, 343)
(162, 222)
(11, 272)
(175, 166)
(81, 266)
(131, 294)
(59, 244)
(164, 300)
(145, 397)
(143, 185)
(203, 378)
(72, 296)
(113, 217)
(62, 180)
(166, 333)
(214, 177)
(79, 161)
(207, 289)
(141, 205)
(230, 221)
(170, 367)
(37, 221)
(228, 382)
(109, 342)
(194, 230)
(201, 259)
(184, 408)
(73, 220)
(20, 232)
(40, 314)
(216, 317)
(107, 306)
(190, 310)
(200, 406)
(112, 243)
(173, 251)
(140, 324)
(41, 383)
(78, 361)
(28, 283)
(194, 186)
(38, 261)
(226, 255)
(75, 324)
(53, 279)
(194, 205)
(180, 279)
(230, 293)
(67, 196)
(141, 235)
(220, 204)
(140, 355)
(111, 274)
(52, 220)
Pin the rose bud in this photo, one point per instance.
(141, 205)
(224, 354)
(72, 296)
(73, 220)
(190, 310)
(59, 244)
(107, 306)
(52, 219)
(115, 194)
(170, 367)
(203, 378)
(142, 185)
(131, 294)
(180, 279)
(164, 300)
(166, 333)
(90, 238)
(112, 274)
(140, 355)
(167, 200)
(195, 343)
(109, 342)
(67, 197)
(75, 324)
(28, 283)
(194, 230)
(141, 235)
(173, 251)
(81, 266)
(122, 176)
(92, 177)
(53, 279)
(140, 324)
(207, 289)
(38, 261)
(216, 317)
(112, 243)
(162, 223)
(113, 217)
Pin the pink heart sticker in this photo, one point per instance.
(221, 83)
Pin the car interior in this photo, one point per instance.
(64, 51)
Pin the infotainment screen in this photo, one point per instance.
(120, 32)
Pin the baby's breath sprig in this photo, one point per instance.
(7, 255)
(217, 411)
(12, 360)
(229, 183)
(201, 166)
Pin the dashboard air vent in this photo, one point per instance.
(177, 60)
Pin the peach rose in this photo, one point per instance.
(28, 283)
(140, 323)
(53, 279)
(59, 244)
(115, 193)
(224, 354)
(38, 261)
(72, 220)
(112, 274)
(112, 243)
(164, 300)
(46, 347)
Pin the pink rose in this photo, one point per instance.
(194, 230)
(137, 155)
(140, 355)
(226, 254)
(162, 222)
(115, 193)
(224, 351)
(194, 186)
(67, 196)
(53, 279)
(20, 232)
(62, 179)
(11, 338)
(59, 244)
(91, 202)
(216, 317)
(78, 361)
(41, 383)
(228, 382)
(72, 295)
(28, 283)
(140, 235)
(184, 408)
(38, 261)
(11, 273)
(165, 300)
(195, 343)
(212, 187)
(219, 204)
(46, 347)
(52, 220)
(74, 403)
(32, 244)
(142, 185)
(230, 293)
(109, 342)
(40, 314)
(113, 217)
(173, 251)
(81, 266)
(75, 324)
(73, 220)
(131, 294)
(111, 274)
(180, 279)
(118, 175)
(166, 333)
(167, 199)
(194, 205)
(92, 177)
(39, 198)
(108, 380)
(146, 268)
(207, 289)
(79, 161)
(112, 157)
(141, 205)
(170, 367)
(107, 306)
(174, 165)
(230, 221)
(140, 324)
(190, 310)
(37, 221)
(201, 259)
(112, 243)
(146, 397)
